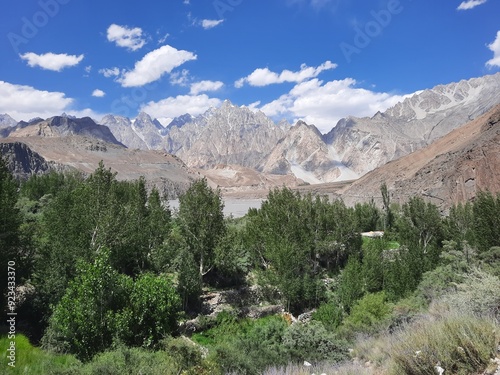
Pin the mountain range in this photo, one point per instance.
(64, 143)
(232, 135)
(240, 149)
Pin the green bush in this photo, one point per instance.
(368, 314)
(152, 313)
(460, 344)
(313, 343)
(256, 345)
(101, 305)
(329, 314)
(130, 361)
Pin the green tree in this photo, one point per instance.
(487, 220)
(373, 264)
(84, 320)
(351, 287)
(232, 259)
(10, 220)
(367, 216)
(386, 201)
(295, 239)
(151, 313)
(201, 220)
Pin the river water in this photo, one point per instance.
(232, 206)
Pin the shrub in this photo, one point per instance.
(459, 344)
(130, 361)
(313, 343)
(255, 346)
(329, 314)
(368, 313)
(479, 294)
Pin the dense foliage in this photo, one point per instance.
(108, 271)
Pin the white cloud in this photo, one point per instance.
(26, 102)
(52, 61)
(154, 65)
(186, 2)
(176, 106)
(210, 24)
(469, 4)
(123, 36)
(180, 78)
(204, 86)
(163, 38)
(324, 104)
(264, 77)
(495, 48)
(88, 69)
(98, 93)
(110, 72)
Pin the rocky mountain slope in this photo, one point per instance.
(23, 162)
(62, 143)
(224, 135)
(452, 169)
(366, 143)
(232, 135)
(61, 126)
(304, 154)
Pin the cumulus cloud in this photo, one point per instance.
(123, 36)
(110, 72)
(98, 93)
(469, 4)
(495, 48)
(210, 24)
(26, 102)
(51, 61)
(324, 104)
(264, 77)
(176, 106)
(204, 86)
(154, 65)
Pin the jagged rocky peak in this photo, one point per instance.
(64, 114)
(109, 120)
(180, 121)
(303, 125)
(143, 120)
(7, 121)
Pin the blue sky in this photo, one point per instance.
(317, 60)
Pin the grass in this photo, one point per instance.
(460, 344)
(321, 368)
(389, 245)
(32, 360)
